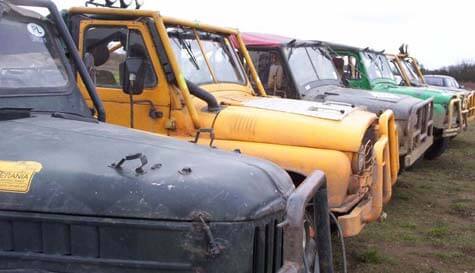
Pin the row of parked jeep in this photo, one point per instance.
(135, 142)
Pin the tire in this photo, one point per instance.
(402, 165)
(437, 149)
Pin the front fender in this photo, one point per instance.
(335, 164)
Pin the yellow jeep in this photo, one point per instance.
(184, 79)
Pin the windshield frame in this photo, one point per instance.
(412, 75)
(57, 46)
(364, 55)
(196, 34)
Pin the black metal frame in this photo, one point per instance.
(313, 187)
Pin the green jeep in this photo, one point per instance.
(369, 69)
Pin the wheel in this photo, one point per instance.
(438, 148)
(402, 165)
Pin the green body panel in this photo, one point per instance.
(441, 98)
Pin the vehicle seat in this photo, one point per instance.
(100, 55)
(275, 77)
(340, 68)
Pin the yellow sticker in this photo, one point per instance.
(16, 176)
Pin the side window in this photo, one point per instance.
(108, 47)
(271, 71)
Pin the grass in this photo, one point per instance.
(431, 219)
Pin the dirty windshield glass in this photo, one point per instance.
(213, 62)
(411, 73)
(29, 60)
(309, 64)
(377, 66)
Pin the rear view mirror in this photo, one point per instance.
(132, 75)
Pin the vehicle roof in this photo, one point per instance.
(353, 48)
(127, 13)
(272, 40)
(262, 39)
(438, 76)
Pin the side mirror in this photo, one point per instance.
(461, 86)
(132, 75)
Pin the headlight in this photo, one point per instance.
(364, 157)
(359, 160)
(465, 103)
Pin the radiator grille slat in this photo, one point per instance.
(268, 247)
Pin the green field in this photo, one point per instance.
(430, 224)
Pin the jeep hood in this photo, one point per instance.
(180, 179)
(333, 126)
(455, 91)
(375, 102)
(439, 96)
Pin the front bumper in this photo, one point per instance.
(379, 192)
(387, 128)
(455, 120)
(471, 106)
(313, 187)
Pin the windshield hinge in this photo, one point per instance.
(205, 130)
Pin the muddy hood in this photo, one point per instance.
(375, 102)
(180, 178)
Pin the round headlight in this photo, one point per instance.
(364, 156)
(139, 3)
(465, 103)
(359, 160)
(125, 3)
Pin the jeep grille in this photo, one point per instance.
(268, 246)
(424, 125)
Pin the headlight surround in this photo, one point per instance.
(465, 103)
(359, 160)
(364, 157)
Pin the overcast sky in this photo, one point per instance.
(439, 33)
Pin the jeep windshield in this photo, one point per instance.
(377, 66)
(309, 64)
(411, 74)
(30, 61)
(206, 57)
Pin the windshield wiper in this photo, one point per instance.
(291, 45)
(187, 47)
(322, 51)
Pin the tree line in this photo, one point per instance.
(463, 72)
